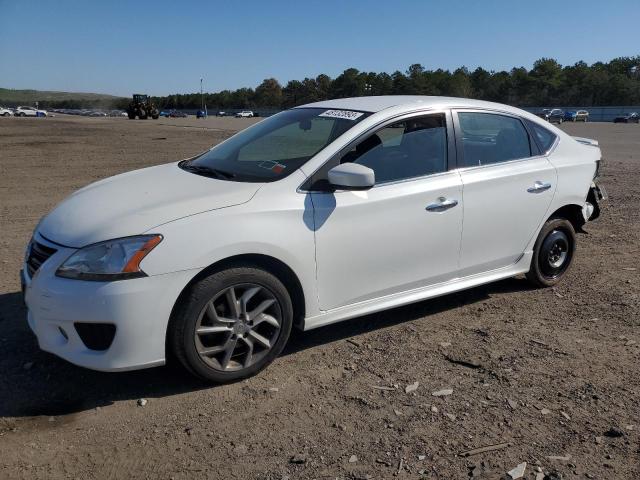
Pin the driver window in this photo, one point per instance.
(408, 149)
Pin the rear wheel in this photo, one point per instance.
(232, 324)
(552, 253)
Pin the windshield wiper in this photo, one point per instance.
(207, 171)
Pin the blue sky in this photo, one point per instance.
(163, 47)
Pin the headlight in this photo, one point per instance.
(111, 260)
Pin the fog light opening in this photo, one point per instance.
(96, 336)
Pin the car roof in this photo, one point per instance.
(377, 103)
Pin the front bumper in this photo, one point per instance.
(138, 308)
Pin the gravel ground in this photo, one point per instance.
(552, 374)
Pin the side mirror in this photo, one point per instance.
(352, 176)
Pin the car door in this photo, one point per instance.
(507, 187)
(402, 234)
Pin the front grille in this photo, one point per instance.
(96, 336)
(38, 254)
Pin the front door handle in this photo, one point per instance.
(441, 205)
(539, 187)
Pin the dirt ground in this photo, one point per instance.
(552, 373)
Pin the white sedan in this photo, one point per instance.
(318, 214)
(29, 112)
(244, 114)
(5, 112)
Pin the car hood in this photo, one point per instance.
(134, 202)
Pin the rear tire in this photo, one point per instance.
(231, 324)
(552, 253)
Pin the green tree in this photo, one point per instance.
(349, 83)
(460, 83)
(547, 83)
(268, 93)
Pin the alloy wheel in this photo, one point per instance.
(238, 327)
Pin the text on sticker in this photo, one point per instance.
(345, 114)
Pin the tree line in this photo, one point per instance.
(546, 84)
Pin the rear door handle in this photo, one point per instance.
(441, 205)
(539, 187)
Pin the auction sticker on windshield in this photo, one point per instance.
(345, 114)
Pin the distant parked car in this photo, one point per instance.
(543, 113)
(117, 113)
(579, 116)
(633, 117)
(164, 113)
(555, 115)
(177, 114)
(97, 113)
(244, 114)
(29, 112)
(5, 112)
(201, 114)
(221, 114)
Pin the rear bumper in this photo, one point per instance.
(597, 194)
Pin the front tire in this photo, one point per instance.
(231, 324)
(552, 253)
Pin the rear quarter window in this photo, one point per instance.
(544, 137)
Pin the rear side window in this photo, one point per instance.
(545, 137)
(491, 138)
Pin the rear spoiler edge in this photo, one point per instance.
(587, 141)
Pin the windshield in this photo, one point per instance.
(275, 147)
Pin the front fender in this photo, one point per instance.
(276, 226)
